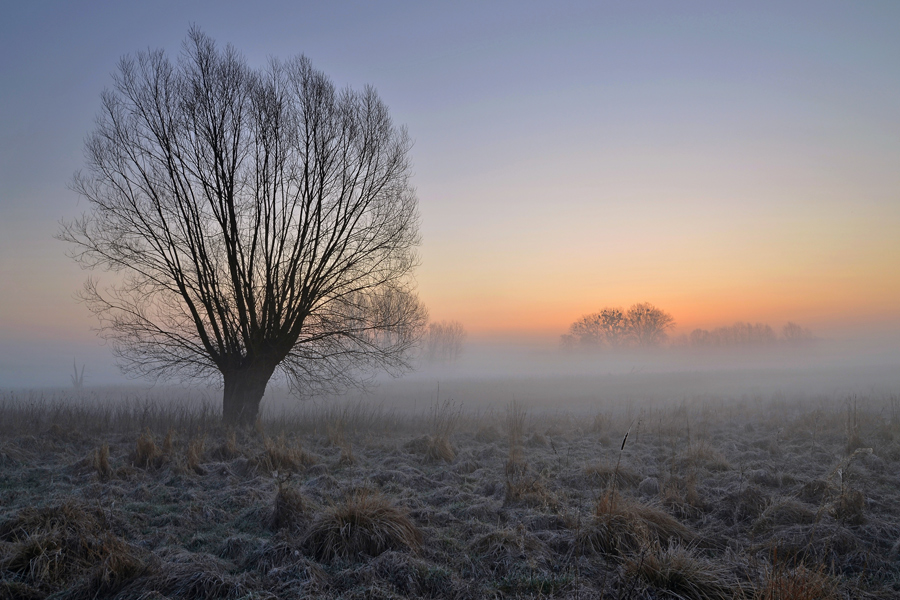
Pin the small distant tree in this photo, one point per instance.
(796, 334)
(642, 325)
(648, 325)
(443, 342)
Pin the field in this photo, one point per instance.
(759, 498)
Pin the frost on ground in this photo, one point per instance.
(762, 499)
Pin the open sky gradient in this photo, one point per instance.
(724, 161)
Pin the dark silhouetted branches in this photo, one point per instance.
(642, 325)
(258, 221)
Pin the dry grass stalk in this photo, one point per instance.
(445, 418)
(289, 510)
(101, 462)
(279, 455)
(194, 454)
(515, 423)
(168, 443)
(799, 583)
(853, 439)
(146, 453)
(364, 524)
(228, 449)
(516, 465)
(346, 459)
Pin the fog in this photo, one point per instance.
(538, 374)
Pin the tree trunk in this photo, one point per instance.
(244, 389)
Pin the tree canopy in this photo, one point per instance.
(258, 221)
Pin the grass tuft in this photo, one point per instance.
(621, 526)
(101, 462)
(146, 454)
(364, 524)
(66, 546)
(680, 573)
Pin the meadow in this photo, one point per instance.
(149, 497)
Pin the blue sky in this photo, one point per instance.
(724, 160)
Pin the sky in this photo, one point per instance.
(724, 161)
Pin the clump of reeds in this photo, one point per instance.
(680, 573)
(364, 524)
(346, 458)
(702, 454)
(228, 449)
(516, 464)
(443, 422)
(191, 576)
(194, 454)
(289, 509)
(101, 462)
(622, 526)
(798, 583)
(67, 547)
(853, 438)
(146, 453)
(168, 446)
(279, 455)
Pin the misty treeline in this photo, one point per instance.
(747, 334)
(644, 326)
(442, 342)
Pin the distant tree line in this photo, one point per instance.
(642, 325)
(749, 334)
(443, 342)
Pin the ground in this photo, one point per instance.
(763, 498)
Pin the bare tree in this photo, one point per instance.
(443, 342)
(648, 325)
(607, 327)
(259, 221)
(613, 326)
(796, 334)
(739, 334)
(584, 332)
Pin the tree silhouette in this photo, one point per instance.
(648, 325)
(642, 325)
(443, 342)
(259, 221)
